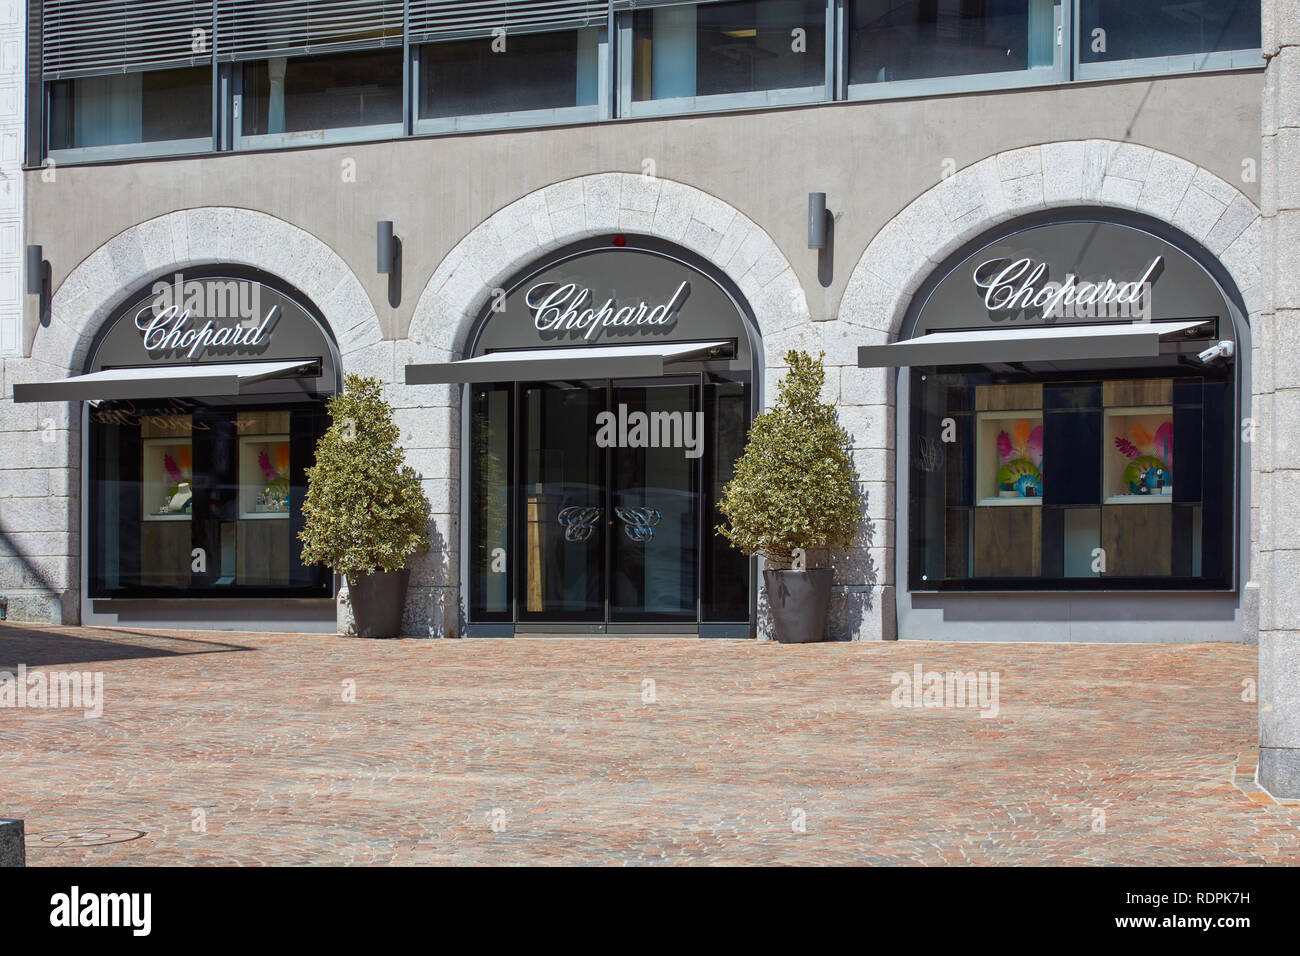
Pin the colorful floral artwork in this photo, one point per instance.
(1020, 454)
(275, 496)
(1150, 469)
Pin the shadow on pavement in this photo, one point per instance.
(42, 647)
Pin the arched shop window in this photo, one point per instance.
(1070, 414)
(608, 393)
(204, 399)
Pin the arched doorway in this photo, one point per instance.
(608, 389)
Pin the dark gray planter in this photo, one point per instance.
(377, 602)
(800, 603)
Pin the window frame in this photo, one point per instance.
(116, 152)
(722, 102)
(614, 93)
(602, 109)
(1057, 73)
(917, 583)
(1179, 64)
(239, 142)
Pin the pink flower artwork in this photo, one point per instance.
(172, 471)
(265, 464)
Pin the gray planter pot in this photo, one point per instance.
(800, 602)
(377, 602)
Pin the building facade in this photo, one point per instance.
(1043, 269)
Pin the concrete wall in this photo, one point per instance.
(1277, 411)
(907, 180)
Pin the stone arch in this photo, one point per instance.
(208, 235)
(592, 205)
(920, 237)
(1016, 182)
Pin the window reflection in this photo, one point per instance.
(686, 50)
(189, 499)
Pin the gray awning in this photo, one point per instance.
(163, 381)
(559, 364)
(1048, 343)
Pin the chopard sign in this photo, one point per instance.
(169, 331)
(1010, 286)
(198, 315)
(560, 308)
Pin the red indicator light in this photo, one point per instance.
(620, 241)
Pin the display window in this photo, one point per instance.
(187, 499)
(1070, 480)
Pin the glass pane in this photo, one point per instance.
(1057, 480)
(536, 71)
(1131, 29)
(889, 40)
(725, 595)
(293, 94)
(193, 499)
(262, 537)
(489, 531)
(563, 521)
(687, 50)
(655, 476)
(149, 107)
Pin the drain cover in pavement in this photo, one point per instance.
(91, 836)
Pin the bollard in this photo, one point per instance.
(13, 850)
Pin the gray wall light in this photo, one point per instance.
(388, 249)
(37, 280)
(817, 217)
(821, 236)
(35, 270)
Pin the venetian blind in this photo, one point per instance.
(256, 29)
(451, 19)
(89, 37)
(621, 5)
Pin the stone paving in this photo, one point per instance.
(241, 749)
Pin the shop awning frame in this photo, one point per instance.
(566, 364)
(1049, 343)
(165, 381)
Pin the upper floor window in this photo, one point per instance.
(524, 74)
(890, 41)
(761, 52)
(1189, 35)
(171, 107)
(297, 95)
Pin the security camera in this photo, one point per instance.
(1222, 351)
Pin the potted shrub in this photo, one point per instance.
(794, 487)
(365, 511)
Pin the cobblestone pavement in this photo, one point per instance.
(222, 748)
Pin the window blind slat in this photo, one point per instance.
(451, 19)
(86, 37)
(621, 6)
(255, 29)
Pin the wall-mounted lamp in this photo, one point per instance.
(38, 280)
(817, 219)
(389, 249)
(821, 236)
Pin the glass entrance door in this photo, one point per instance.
(594, 502)
(609, 504)
(654, 501)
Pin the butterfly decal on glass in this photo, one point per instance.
(579, 522)
(639, 523)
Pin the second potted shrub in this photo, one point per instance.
(794, 490)
(365, 511)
